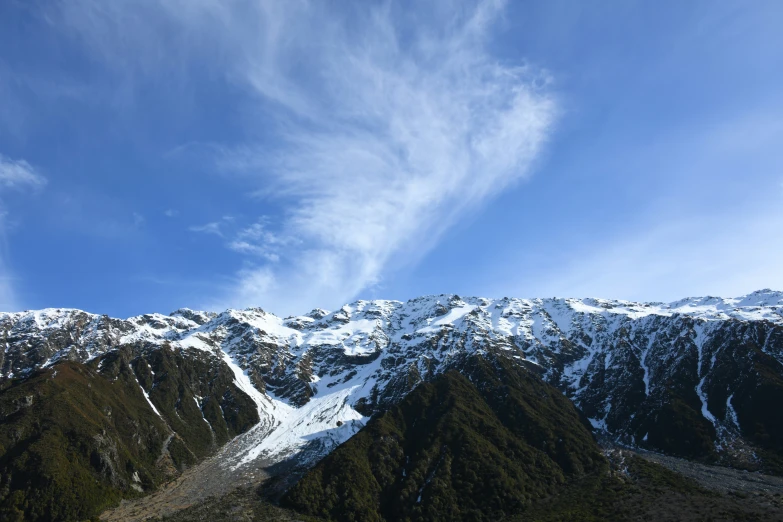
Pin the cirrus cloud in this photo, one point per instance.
(389, 125)
(15, 174)
(19, 174)
(389, 141)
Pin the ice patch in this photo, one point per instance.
(454, 315)
(699, 342)
(242, 381)
(598, 424)
(731, 411)
(147, 396)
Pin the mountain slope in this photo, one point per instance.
(452, 450)
(683, 378)
(75, 438)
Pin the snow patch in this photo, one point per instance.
(732, 413)
(147, 396)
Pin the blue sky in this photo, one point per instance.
(156, 154)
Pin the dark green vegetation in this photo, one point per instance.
(452, 450)
(628, 488)
(75, 438)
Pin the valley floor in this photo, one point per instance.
(719, 478)
(212, 491)
(209, 479)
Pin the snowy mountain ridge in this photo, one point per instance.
(759, 305)
(317, 378)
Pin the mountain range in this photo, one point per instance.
(126, 405)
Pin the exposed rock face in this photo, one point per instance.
(699, 377)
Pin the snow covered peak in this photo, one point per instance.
(759, 305)
(317, 313)
(358, 328)
(426, 328)
(193, 315)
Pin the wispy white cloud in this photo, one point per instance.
(727, 256)
(394, 139)
(255, 240)
(243, 247)
(19, 174)
(15, 174)
(208, 228)
(171, 213)
(715, 233)
(214, 227)
(8, 299)
(258, 241)
(390, 127)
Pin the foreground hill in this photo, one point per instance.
(75, 438)
(455, 450)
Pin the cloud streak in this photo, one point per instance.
(715, 233)
(727, 256)
(18, 175)
(389, 128)
(208, 228)
(390, 141)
